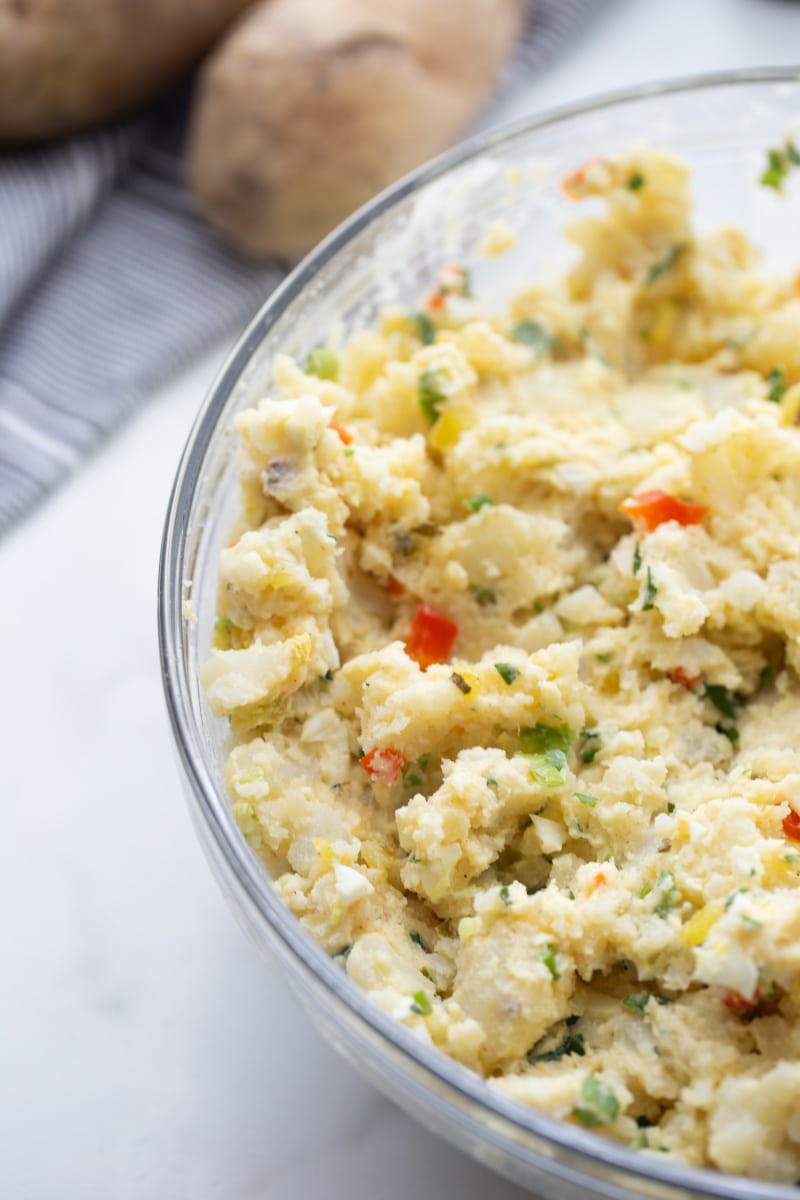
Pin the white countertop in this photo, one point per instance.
(146, 1050)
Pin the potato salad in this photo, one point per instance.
(509, 642)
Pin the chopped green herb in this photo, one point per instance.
(663, 265)
(791, 858)
(750, 922)
(323, 362)
(534, 335)
(539, 738)
(548, 768)
(590, 801)
(589, 745)
(476, 503)
(666, 885)
(430, 394)
(636, 180)
(485, 596)
(650, 593)
(728, 731)
(637, 1002)
(419, 940)
(670, 806)
(349, 452)
(779, 165)
(637, 557)
(723, 699)
(507, 672)
(327, 677)
(601, 1106)
(421, 1004)
(569, 893)
(404, 543)
(505, 895)
(343, 954)
(491, 783)
(460, 683)
(603, 658)
(549, 960)
(645, 890)
(426, 330)
(765, 678)
(411, 774)
(776, 382)
(572, 1044)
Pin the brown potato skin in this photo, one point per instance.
(67, 64)
(309, 107)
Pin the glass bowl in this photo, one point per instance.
(388, 253)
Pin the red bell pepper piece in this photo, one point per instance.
(651, 509)
(431, 637)
(384, 766)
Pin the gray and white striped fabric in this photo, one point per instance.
(109, 284)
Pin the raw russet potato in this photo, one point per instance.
(309, 108)
(67, 64)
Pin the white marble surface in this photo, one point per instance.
(145, 1050)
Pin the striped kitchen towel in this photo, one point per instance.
(109, 284)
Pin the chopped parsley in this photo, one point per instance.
(426, 330)
(765, 678)
(323, 362)
(419, 940)
(507, 672)
(779, 165)
(476, 503)
(534, 335)
(485, 596)
(650, 593)
(728, 731)
(412, 773)
(663, 265)
(666, 885)
(548, 768)
(600, 1106)
(549, 960)
(635, 181)
(491, 783)
(670, 806)
(637, 558)
(430, 394)
(505, 896)
(411, 776)
(637, 1002)
(328, 676)
(589, 801)
(723, 699)
(421, 1004)
(572, 1044)
(343, 954)
(776, 383)
(540, 738)
(589, 746)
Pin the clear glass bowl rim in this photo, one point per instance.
(212, 804)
